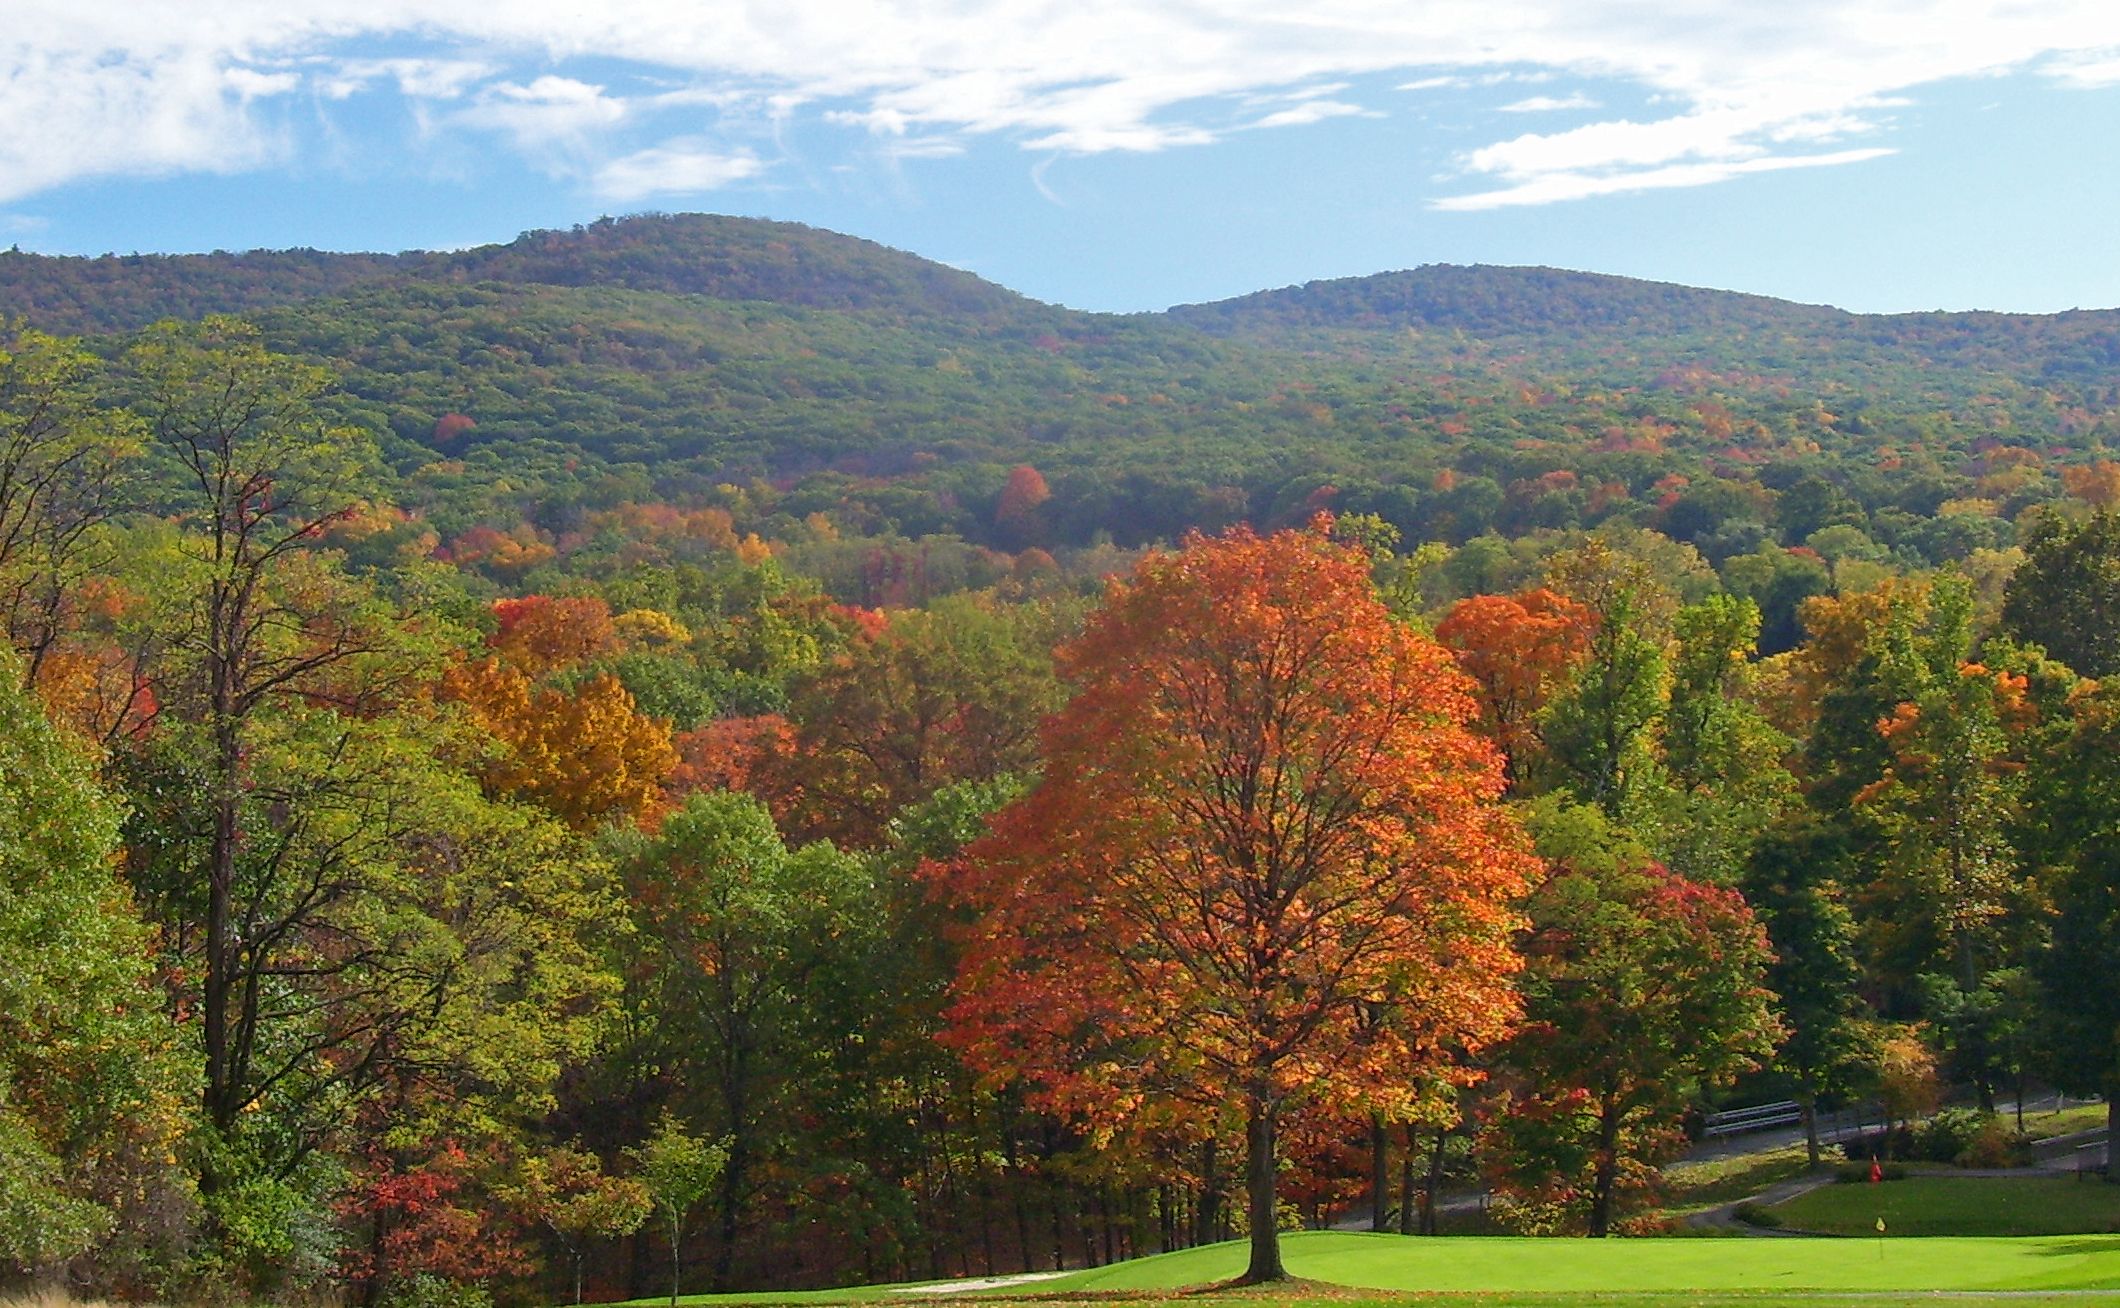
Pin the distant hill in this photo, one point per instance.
(1573, 312)
(1486, 300)
(666, 356)
(689, 254)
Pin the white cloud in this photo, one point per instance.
(551, 117)
(250, 84)
(1307, 112)
(2087, 69)
(1546, 104)
(1553, 187)
(124, 88)
(676, 167)
(419, 79)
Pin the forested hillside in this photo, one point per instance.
(551, 769)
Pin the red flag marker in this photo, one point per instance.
(1876, 1172)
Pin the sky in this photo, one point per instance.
(1880, 155)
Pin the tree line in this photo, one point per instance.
(708, 895)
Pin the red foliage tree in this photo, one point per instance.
(1264, 867)
(539, 633)
(1020, 514)
(1643, 990)
(428, 1216)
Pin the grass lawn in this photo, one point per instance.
(1945, 1205)
(1665, 1273)
(2041, 1125)
(1692, 1186)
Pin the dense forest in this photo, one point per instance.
(561, 769)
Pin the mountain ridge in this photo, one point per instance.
(752, 259)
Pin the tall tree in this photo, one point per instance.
(743, 923)
(1597, 729)
(65, 468)
(2065, 596)
(2076, 795)
(1264, 867)
(1792, 882)
(88, 1074)
(263, 474)
(1641, 989)
(1724, 778)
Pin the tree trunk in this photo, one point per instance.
(1261, 1175)
(1207, 1215)
(1406, 1200)
(677, 1240)
(1431, 1218)
(1810, 1129)
(1379, 1176)
(1606, 1177)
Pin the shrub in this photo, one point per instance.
(1854, 1173)
(1898, 1142)
(1995, 1144)
(1752, 1214)
(1948, 1134)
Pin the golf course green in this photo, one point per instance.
(1669, 1270)
(1510, 1264)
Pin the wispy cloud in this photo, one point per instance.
(1546, 104)
(1559, 185)
(2087, 69)
(1307, 112)
(1741, 86)
(547, 114)
(676, 167)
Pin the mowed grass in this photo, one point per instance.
(1507, 1264)
(1713, 1181)
(1946, 1205)
(1507, 1270)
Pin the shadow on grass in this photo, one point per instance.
(2082, 1244)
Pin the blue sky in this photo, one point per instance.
(1883, 155)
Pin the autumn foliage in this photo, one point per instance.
(1265, 865)
(586, 754)
(1518, 649)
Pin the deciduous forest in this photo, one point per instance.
(693, 753)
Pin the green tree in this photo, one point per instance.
(1642, 990)
(66, 463)
(679, 1170)
(2076, 793)
(743, 924)
(88, 1077)
(2065, 596)
(1722, 771)
(263, 473)
(1792, 883)
(1597, 730)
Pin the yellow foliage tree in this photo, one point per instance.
(587, 754)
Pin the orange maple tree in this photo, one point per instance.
(1265, 867)
(1518, 650)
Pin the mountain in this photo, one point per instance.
(1569, 313)
(666, 356)
(1503, 301)
(688, 254)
